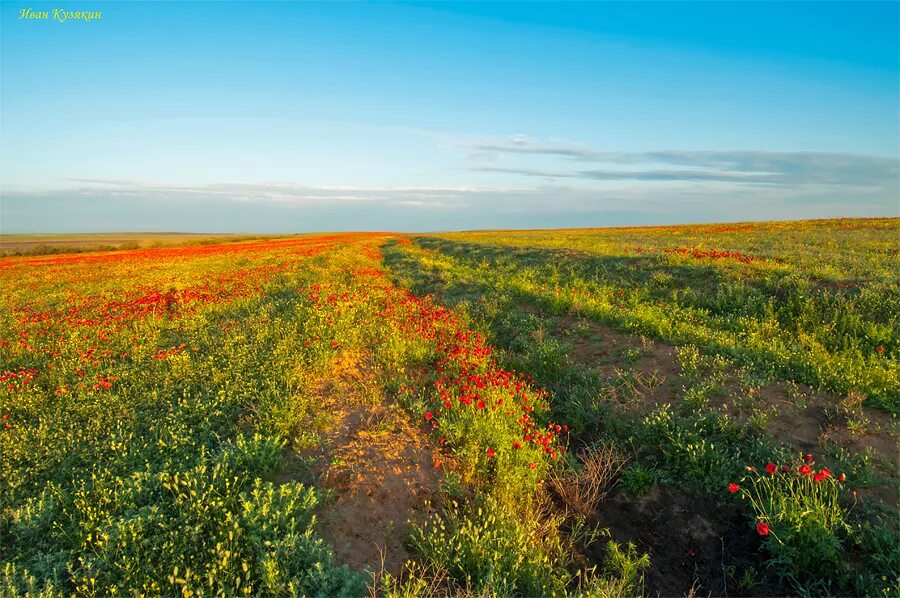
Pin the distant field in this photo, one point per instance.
(672, 411)
(71, 242)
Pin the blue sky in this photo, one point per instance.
(282, 117)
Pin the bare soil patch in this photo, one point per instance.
(814, 418)
(380, 468)
(838, 285)
(693, 543)
(653, 365)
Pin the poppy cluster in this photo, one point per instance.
(804, 470)
(108, 303)
(712, 254)
(773, 481)
(20, 380)
(465, 375)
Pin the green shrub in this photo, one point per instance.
(638, 479)
(486, 548)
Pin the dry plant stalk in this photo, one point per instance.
(438, 584)
(582, 490)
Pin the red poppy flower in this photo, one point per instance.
(842, 478)
(823, 473)
(805, 470)
(517, 445)
(771, 468)
(480, 405)
(732, 487)
(428, 416)
(809, 458)
(532, 465)
(490, 453)
(762, 528)
(879, 349)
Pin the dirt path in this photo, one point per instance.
(379, 466)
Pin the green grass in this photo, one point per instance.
(820, 307)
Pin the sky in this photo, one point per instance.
(276, 117)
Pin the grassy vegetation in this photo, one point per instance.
(592, 402)
(813, 302)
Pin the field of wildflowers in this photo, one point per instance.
(611, 412)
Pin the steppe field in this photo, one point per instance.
(672, 411)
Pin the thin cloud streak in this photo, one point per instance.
(646, 175)
(738, 166)
(282, 193)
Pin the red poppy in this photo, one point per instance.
(732, 487)
(823, 473)
(480, 405)
(842, 478)
(490, 453)
(517, 445)
(879, 349)
(805, 470)
(428, 416)
(809, 458)
(771, 468)
(762, 528)
(532, 465)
